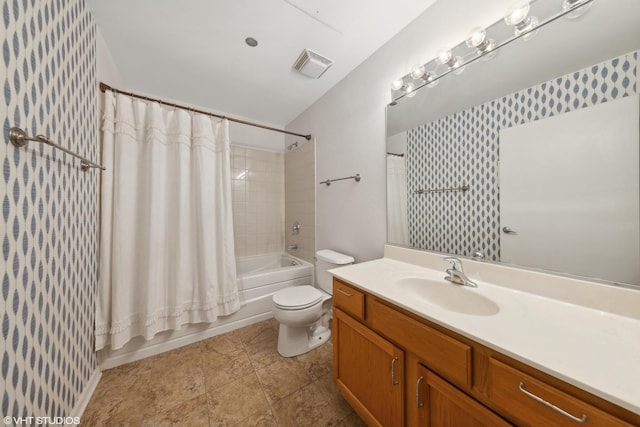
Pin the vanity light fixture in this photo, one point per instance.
(482, 46)
(410, 90)
(576, 8)
(417, 72)
(477, 39)
(431, 79)
(397, 84)
(446, 57)
(518, 17)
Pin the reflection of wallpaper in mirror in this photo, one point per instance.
(462, 149)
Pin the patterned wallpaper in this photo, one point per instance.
(49, 207)
(462, 149)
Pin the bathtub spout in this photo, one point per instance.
(292, 247)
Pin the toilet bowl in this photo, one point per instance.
(303, 311)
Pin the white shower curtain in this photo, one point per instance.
(166, 252)
(397, 222)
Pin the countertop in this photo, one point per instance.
(595, 350)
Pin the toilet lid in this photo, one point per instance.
(297, 297)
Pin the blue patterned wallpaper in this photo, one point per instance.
(49, 207)
(462, 149)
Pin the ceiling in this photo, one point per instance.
(195, 52)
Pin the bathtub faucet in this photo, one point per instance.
(292, 247)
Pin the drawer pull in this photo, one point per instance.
(394, 381)
(552, 406)
(345, 293)
(419, 402)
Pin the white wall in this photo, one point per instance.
(241, 135)
(349, 126)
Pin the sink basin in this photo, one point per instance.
(457, 298)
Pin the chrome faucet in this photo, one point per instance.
(456, 274)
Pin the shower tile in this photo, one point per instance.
(282, 377)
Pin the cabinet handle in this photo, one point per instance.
(345, 293)
(394, 381)
(581, 420)
(419, 402)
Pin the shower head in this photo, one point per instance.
(292, 146)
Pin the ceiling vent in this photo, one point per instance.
(312, 64)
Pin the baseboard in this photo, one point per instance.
(111, 361)
(85, 397)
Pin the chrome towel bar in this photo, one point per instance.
(19, 138)
(440, 190)
(329, 181)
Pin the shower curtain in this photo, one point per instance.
(397, 222)
(167, 255)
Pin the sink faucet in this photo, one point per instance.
(456, 275)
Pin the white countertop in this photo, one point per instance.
(595, 350)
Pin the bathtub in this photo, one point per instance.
(262, 275)
(259, 277)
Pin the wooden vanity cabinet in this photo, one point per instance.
(369, 371)
(397, 369)
(439, 403)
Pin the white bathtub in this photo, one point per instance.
(258, 278)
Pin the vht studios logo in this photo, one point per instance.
(51, 421)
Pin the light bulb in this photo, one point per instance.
(518, 17)
(397, 84)
(476, 37)
(430, 78)
(417, 71)
(577, 7)
(410, 90)
(516, 14)
(526, 27)
(444, 57)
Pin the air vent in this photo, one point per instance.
(312, 64)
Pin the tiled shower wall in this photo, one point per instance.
(258, 200)
(49, 218)
(462, 149)
(299, 166)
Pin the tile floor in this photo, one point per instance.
(235, 379)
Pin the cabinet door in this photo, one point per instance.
(439, 404)
(369, 371)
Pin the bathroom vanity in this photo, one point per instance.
(412, 349)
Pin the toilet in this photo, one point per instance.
(304, 311)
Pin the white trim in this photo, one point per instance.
(109, 362)
(88, 391)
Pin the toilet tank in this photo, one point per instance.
(327, 259)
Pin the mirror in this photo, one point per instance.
(448, 193)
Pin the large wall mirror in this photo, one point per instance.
(530, 157)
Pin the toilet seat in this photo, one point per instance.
(297, 297)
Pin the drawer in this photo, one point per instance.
(442, 354)
(348, 299)
(532, 402)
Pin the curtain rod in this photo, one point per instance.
(104, 87)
